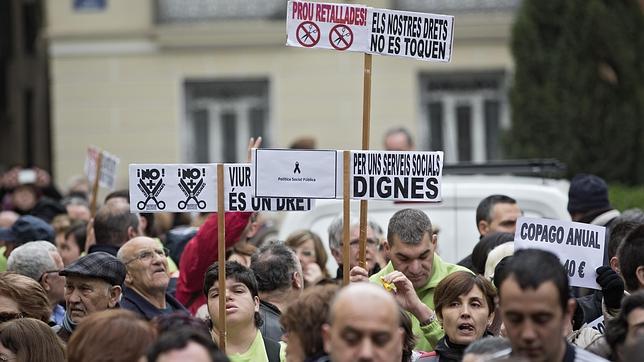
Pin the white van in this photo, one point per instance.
(455, 216)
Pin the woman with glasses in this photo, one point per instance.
(21, 296)
(310, 250)
(29, 340)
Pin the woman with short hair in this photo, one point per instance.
(21, 296)
(464, 304)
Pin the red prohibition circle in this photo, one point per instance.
(341, 37)
(308, 34)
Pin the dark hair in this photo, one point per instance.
(409, 339)
(617, 328)
(79, 230)
(631, 256)
(238, 273)
(501, 271)
(410, 225)
(459, 283)
(124, 194)
(306, 315)
(179, 338)
(484, 246)
(621, 226)
(169, 322)
(273, 266)
(484, 210)
(121, 333)
(533, 267)
(111, 224)
(32, 340)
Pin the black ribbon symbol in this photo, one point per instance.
(297, 168)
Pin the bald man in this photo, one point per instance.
(364, 325)
(147, 278)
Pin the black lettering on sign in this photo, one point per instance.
(150, 184)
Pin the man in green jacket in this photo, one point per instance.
(415, 271)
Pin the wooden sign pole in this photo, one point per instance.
(221, 225)
(99, 161)
(366, 124)
(346, 205)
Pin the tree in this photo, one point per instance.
(578, 90)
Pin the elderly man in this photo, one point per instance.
(40, 261)
(415, 271)
(364, 325)
(279, 283)
(146, 281)
(93, 283)
(335, 244)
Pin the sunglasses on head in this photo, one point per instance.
(8, 316)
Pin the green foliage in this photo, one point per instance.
(578, 90)
(626, 197)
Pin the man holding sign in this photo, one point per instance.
(415, 271)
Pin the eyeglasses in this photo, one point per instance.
(146, 256)
(8, 316)
(47, 272)
(354, 244)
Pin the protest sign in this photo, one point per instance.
(370, 30)
(598, 324)
(173, 187)
(396, 175)
(409, 34)
(238, 189)
(580, 247)
(329, 26)
(294, 173)
(109, 164)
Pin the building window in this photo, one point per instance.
(220, 118)
(177, 11)
(464, 115)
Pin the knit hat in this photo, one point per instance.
(586, 193)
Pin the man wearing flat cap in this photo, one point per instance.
(93, 283)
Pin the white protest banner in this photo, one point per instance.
(409, 34)
(109, 165)
(396, 175)
(329, 26)
(238, 189)
(580, 247)
(294, 173)
(173, 187)
(598, 324)
(370, 30)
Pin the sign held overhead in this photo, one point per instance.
(238, 189)
(295, 173)
(580, 247)
(359, 28)
(173, 187)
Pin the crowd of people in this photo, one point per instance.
(121, 286)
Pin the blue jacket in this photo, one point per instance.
(136, 303)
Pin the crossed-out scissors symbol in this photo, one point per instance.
(150, 195)
(192, 194)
